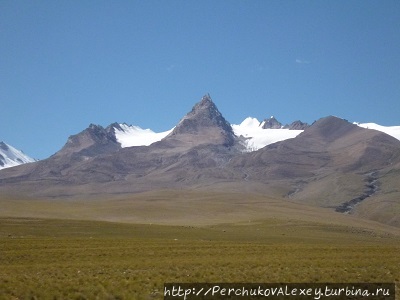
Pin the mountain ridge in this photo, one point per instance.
(255, 134)
(326, 164)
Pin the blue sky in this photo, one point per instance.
(66, 64)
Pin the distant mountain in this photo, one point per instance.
(331, 163)
(256, 135)
(296, 125)
(271, 123)
(331, 144)
(11, 157)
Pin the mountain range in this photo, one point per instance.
(332, 163)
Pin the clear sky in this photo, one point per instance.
(66, 64)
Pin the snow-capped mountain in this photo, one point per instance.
(256, 136)
(129, 135)
(394, 131)
(11, 157)
(251, 134)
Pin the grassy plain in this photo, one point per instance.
(127, 247)
(72, 259)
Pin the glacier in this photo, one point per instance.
(394, 131)
(129, 135)
(256, 137)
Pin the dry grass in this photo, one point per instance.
(179, 207)
(68, 259)
(332, 190)
(69, 249)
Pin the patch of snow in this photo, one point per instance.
(129, 136)
(11, 157)
(394, 131)
(256, 137)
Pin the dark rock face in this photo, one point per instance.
(3, 146)
(110, 128)
(271, 123)
(296, 125)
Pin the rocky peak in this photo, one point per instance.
(205, 103)
(99, 134)
(205, 119)
(93, 140)
(204, 114)
(330, 128)
(271, 123)
(111, 128)
(297, 125)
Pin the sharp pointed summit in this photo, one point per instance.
(271, 123)
(206, 123)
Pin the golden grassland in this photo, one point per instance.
(180, 207)
(75, 259)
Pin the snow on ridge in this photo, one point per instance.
(129, 136)
(394, 131)
(256, 137)
(248, 124)
(11, 157)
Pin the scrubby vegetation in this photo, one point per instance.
(58, 259)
